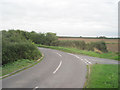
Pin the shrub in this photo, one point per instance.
(70, 43)
(50, 38)
(15, 46)
(81, 45)
(99, 45)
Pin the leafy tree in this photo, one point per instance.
(50, 38)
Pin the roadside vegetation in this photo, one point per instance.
(103, 76)
(101, 46)
(109, 55)
(19, 49)
(11, 67)
(16, 47)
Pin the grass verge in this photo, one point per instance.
(103, 76)
(17, 66)
(109, 55)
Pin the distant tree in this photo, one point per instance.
(80, 36)
(102, 37)
(33, 32)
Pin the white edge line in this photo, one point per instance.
(57, 67)
(86, 61)
(74, 55)
(70, 54)
(77, 56)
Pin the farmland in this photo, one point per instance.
(112, 44)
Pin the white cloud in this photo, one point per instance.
(65, 17)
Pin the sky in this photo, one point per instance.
(64, 17)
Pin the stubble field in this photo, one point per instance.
(112, 44)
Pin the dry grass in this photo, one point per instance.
(112, 44)
(91, 40)
(112, 47)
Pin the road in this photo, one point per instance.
(57, 70)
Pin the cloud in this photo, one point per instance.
(64, 17)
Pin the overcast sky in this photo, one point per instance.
(64, 17)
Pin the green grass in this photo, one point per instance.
(112, 43)
(11, 67)
(103, 76)
(109, 55)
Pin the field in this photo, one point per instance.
(112, 47)
(112, 44)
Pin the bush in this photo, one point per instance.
(37, 38)
(42, 38)
(50, 38)
(99, 45)
(15, 46)
(70, 43)
(80, 44)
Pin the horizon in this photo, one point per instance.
(67, 35)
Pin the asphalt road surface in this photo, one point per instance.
(57, 70)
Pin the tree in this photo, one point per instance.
(102, 37)
(50, 37)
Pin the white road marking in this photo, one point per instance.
(84, 60)
(77, 56)
(81, 59)
(59, 54)
(57, 67)
(35, 88)
(87, 61)
(90, 62)
(70, 54)
(74, 55)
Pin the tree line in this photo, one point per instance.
(18, 44)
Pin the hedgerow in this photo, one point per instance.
(81, 45)
(15, 46)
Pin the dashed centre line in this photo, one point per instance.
(59, 54)
(57, 67)
(35, 88)
(59, 64)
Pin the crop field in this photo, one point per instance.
(112, 47)
(112, 44)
